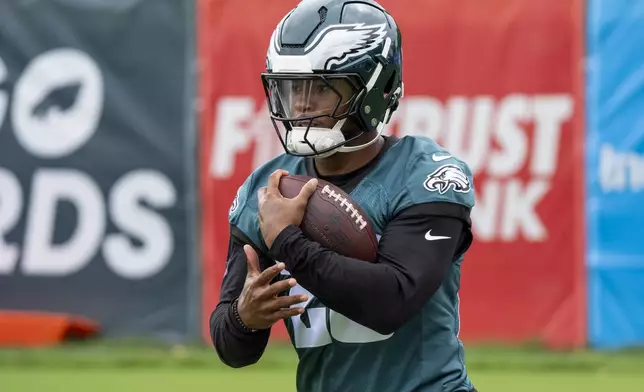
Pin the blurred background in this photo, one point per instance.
(126, 127)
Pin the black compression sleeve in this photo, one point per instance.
(235, 346)
(411, 266)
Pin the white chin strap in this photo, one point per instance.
(323, 138)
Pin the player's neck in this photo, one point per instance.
(343, 163)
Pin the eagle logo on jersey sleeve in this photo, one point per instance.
(446, 177)
(235, 204)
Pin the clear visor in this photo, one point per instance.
(314, 96)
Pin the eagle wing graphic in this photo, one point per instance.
(337, 44)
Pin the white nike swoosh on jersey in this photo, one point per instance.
(430, 237)
(438, 158)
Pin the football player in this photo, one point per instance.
(333, 80)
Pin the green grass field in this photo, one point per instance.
(121, 366)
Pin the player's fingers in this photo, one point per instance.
(288, 301)
(252, 260)
(280, 286)
(307, 191)
(286, 313)
(261, 199)
(269, 273)
(274, 180)
(261, 195)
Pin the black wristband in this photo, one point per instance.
(240, 323)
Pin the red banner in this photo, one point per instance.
(495, 82)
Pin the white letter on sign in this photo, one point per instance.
(140, 222)
(230, 137)
(50, 186)
(10, 209)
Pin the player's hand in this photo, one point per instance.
(276, 212)
(258, 305)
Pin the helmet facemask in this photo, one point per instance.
(310, 111)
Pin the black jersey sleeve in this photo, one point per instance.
(236, 346)
(416, 250)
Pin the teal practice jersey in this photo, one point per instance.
(338, 354)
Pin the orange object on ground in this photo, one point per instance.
(33, 328)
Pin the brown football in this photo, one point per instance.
(333, 219)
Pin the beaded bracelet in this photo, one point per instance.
(239, 320)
